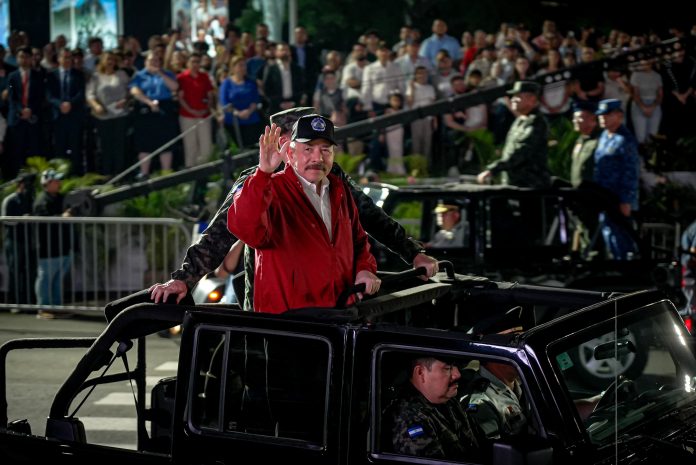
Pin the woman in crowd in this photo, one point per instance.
(555, 97)
(107, 92)
(419, 94)
(239, 98)
(646, 110)
(156, 112)
(196, 98)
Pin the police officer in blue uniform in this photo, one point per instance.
(617, 169)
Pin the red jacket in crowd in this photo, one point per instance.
(297, 266)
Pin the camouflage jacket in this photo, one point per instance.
(497, 408)
(524, 162)
(442, 431)
(210, 249)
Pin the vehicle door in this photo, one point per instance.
(384, 366)
(262, 387)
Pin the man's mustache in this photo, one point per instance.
(316, 166)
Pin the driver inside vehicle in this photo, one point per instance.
(451, 219)
(427, 420)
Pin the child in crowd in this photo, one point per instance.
(418, 94)
(394, 136)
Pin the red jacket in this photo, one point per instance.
(296, 264)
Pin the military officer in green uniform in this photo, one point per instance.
(428, 420)
(582, 161)
(452, 225)
(524, 161)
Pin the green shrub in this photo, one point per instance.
(416, 165)
(562, 139)
(348, 162)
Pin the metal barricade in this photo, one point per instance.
(80, 264)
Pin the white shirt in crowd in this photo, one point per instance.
(378, 82)
(320, 202)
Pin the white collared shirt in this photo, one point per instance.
(321, 202)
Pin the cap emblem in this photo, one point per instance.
(318, 124)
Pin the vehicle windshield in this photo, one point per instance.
(630, 373)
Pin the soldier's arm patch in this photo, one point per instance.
(415, 431)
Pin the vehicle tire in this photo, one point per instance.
(599, 374)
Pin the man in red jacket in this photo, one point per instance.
(304, 226)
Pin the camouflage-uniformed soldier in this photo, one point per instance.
(212, 246)
(428, 421)
(524, 161)
(582, 157)
(495, 405)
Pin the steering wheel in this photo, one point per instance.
(623, 387)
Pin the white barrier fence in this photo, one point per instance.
(107, 258)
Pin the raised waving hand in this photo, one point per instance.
(269, 154)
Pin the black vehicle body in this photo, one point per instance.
(536, 236)
(326, 377)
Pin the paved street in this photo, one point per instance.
(33, 377)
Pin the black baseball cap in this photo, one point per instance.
(312, 127)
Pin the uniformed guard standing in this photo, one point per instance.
(617, 169)
(524, 161)
(582, 157)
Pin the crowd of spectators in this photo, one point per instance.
(103, 109)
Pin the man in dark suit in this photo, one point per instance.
(66, 96)
(5, 70)
(307, 57)
(283, 81)
(25, 97)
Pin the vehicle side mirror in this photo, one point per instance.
(528, 450)
(19, 426)
(613, 349)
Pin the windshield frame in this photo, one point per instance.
(680, 349)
